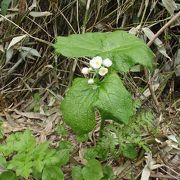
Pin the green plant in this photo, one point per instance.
(93, 170)
(122, 139)
(23, 155)
(1, 130)
(4, 6)
(8, 175)
(36, 99)
(112, 52)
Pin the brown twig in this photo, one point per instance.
(162, 176)
(35, 38)
(174, 18)
(147, 75)
(150, 86)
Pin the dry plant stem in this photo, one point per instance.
(14, 67)
(144, 12)
(174, 18)
(147, 75)
(162, 176)
(35, 38)
(101, 128)
(86, 16)
(83, 31)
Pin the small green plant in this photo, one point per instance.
(36, 100)
(122, 139)
(27, 158)
(101, 90)
(93, 170)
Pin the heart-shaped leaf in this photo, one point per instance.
(114, 101)
(109, 96)
(77, 107)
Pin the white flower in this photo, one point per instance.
(85, 70)
(103, 71)
(96, 62)
(107, 62)
(91, 81)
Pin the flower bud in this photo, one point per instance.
(85, 70)
(91, 81)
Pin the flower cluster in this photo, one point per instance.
(97, 66)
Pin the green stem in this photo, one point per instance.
(101, 128)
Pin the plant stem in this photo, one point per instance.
(174, 18)
(147, 74)
(86, 16)
(101, 128)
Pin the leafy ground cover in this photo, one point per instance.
(35, 141)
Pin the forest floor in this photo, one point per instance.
(32, 86)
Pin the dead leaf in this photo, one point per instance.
(15, 40)
(9, 118)
(122, 168)
(40, 14)
(9, 55)
(11, 16)
(150, 35)
(150, 165)
(1, 48)
(31, 51)
(147, 92)
(48, 128)
(177, 63)
(32, 115)
(134, 30)
(33, 5)
(9, 129)
(170, 6)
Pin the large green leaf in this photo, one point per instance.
(92, 170)
(76, 173)
(52, 173)
(8, 175)
(109, 96)
(114, 101)
(125, 50)
(108, 173)
(77, 107)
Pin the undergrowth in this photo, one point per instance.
(123, 139)
(22, 154)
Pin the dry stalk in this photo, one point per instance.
(147, 75)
